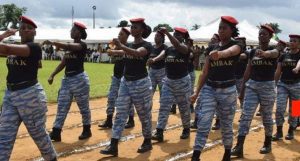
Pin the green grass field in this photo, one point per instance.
(100, 78)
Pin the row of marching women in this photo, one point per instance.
(229, 70)
(255, 81)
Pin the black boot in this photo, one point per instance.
(227, 155)
(238, 150)
(55, 134)
(290, 135)
(173, 109)
(267, 148)
(196, 155)
(278, 135)
(192, 108)
(112, 148)
(130, 123)
(159, 135)
(185, 133)
(108, 122)
(194, 124)
(216, 125)
(86, 133)
(146, 146)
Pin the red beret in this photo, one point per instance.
(134, 20)
(126, 30)
(267, 27)
(80, 25)
(240, 38)
(282, 42)
(230, 20)
(181, 30)
(27, 20)
(294, 36)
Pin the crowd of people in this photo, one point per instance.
(231, 74)
(51, 53)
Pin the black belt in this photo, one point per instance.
(134, 78)
(220, 84)
(19, 86)
(156, 68)
(71, 74)
(174, 77)
(290, 81)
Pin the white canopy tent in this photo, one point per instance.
(94, 35)
(203, 34)
(245, 29)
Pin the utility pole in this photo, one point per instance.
(72, 15)
(94, 8)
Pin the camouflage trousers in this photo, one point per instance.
(157, 76)
(29, 106)
(262, 93)
(286, 92)
(138, 93)
(113, 95)
(210, 101)
(178, 90)
(77, 86)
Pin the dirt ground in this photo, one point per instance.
(173, 148)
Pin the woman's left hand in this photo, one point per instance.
(214, 55)
(259, 53)
(117, 42)
(295, 70)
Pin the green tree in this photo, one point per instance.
(123, 23)
(169, 28)
(195, 27)
(9, 14)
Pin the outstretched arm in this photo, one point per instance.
(66, 46)
(12, 49)
(159, 57)
(232, 51)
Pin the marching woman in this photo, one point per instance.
(259, 88)
(191, 69)
(288, 88)
(216, 88)
(214, 40)
(74, 84)
(135, 87)
(177, 84)
(156, 62)
(24, 99)
(115, 83)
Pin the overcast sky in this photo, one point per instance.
(185, 13)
